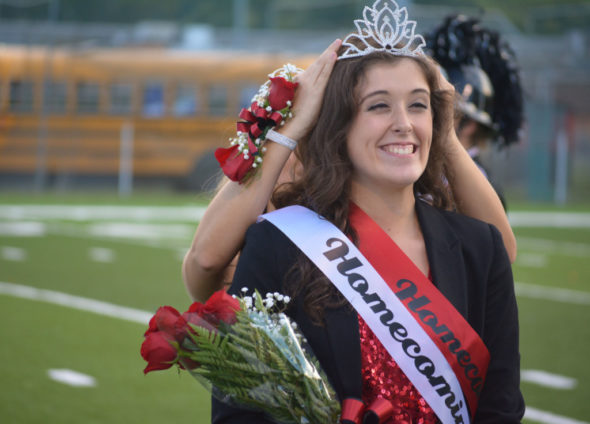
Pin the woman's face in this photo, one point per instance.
(390, 136)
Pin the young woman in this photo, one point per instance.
(373, 165)
(220, 234)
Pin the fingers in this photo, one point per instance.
(309, 94)
(323, 64)
(327, 60)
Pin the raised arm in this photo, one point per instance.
(475, 196)
(234, 208)
(473, 193)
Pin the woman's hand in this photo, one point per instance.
(310, 92)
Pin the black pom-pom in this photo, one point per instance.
(460, 41)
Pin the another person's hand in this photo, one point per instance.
(309, 93)
(445, 86)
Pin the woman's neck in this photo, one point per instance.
(395, 213)
(393, 210)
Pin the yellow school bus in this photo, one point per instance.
(66, 110)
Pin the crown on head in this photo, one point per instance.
(385, 27)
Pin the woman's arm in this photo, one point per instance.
(220, 233)
(475, 196)
(473, 193)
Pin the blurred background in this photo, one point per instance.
(109, 115)
(123, 94)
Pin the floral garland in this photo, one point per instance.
(271, 106)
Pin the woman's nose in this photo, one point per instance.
(401, 122)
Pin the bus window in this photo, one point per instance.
(21, 96)
(153, 100)
(185, 101)
(217, 100)
(246, 94)
(87, 97)
(54, 97)
(121, 99)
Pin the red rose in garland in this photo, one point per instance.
(232, 162)
(269, 108)
(280, 92)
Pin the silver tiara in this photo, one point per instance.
(384, 28)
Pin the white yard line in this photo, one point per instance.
(101, 254)
(532, 260)
(554, 247)
(14, 254)
(195, 213)
(550, 219)
(544, 417)
(76, 302)
(547, 379)
(71, 378)
(23, 229)
(131, 230)
(555, 294)
(102, 212)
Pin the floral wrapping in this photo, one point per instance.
(247, 353)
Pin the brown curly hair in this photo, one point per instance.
(325, 183)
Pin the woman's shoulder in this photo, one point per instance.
(266, 243)
(263, 233)
(471, 231)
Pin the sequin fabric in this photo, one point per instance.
(383, 378)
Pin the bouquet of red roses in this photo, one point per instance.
(247, 352)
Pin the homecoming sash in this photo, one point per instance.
(380, 304)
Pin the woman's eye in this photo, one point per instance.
(377, 106)
(420, 105)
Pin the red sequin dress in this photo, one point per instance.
(383, 378)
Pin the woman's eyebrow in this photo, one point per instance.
(374, 93)
(420, 90)
(378, 92)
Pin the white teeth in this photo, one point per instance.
(400, 150)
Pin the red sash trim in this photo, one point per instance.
(456, 339)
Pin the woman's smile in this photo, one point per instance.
(402, 149)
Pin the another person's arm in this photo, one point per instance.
(473, 193)
(475, 196)
(220, 233)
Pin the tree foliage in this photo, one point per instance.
(284, 14)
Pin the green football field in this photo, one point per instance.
(79, 276)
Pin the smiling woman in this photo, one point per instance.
(429, 331)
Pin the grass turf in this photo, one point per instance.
(36, 336)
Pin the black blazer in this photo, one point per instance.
(469, 265)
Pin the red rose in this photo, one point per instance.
(192, 318)
(158, 352)
(280, 91)
(232, 162)
(163, 320)
(220, 307)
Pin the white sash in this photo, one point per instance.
(403, 337)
